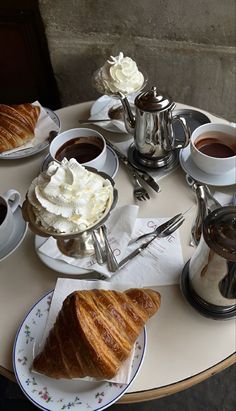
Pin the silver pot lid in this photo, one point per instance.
(152, 101)
(219, 231)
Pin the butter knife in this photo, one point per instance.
(137, 251)
(139, 173)
(164, 230)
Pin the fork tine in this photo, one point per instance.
(173, 227)
(140, 193)
(139, 196)
(145, 195)
(169, 223)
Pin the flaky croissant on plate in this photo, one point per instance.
(17, 124)
(95, 332)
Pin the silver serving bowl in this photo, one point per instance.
(78, 244)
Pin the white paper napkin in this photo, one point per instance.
(160, 264)
(43, 127)
(66, 286)
(224, 198)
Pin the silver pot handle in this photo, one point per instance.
(187, 132)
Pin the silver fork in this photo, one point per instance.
(140, 193)
(164, 230)
(172, 224)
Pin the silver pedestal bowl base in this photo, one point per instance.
(81, 246)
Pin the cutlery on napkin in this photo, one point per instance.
(163, 230)
(158, 264)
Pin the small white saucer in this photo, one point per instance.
(111, 165)
(17, 236)
(56, 265)
(99, 110)
(225, 179)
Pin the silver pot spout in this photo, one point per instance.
(129, 118)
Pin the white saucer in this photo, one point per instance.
(17, 236)
(111, 165)
(56, 265)
(226, 179)
(99, 110)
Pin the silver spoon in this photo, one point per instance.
(93, 121)
(99, 252)
(112, 263)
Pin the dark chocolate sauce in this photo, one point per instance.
(3, 212)
(218, 145)
(83, 149)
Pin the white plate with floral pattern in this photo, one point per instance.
(30, 151)
(56, 395)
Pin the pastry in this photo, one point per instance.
(95, 332)
(17, 124)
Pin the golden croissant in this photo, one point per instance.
(17, 124)
(95, 332)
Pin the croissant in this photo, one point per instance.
(17, 124)
(94, 332)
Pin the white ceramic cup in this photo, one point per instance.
(7, 209)
(86, 138)
(209, 142)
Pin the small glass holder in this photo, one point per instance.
(127, 109)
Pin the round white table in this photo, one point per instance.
(183, 347)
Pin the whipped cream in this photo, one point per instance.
(68, 198)
(119, 74)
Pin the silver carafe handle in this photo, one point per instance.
(177, 143)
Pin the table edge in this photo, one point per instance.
(164, 391)
(174, 388)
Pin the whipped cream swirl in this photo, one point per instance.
(119, 74)
(68, 198)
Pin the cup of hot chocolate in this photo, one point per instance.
(213, 148)
(9, 201)
(87, 146)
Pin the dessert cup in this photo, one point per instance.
(77, 244)
(118, 95)
(128, 112)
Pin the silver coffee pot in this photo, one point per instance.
(209, 279)
(152, 126)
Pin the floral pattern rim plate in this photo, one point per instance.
(30, 151)
(56, 395)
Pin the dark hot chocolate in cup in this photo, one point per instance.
(9, 201)
(213, 148)
(87, 146)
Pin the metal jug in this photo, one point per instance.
(152, 126)
(209, 279)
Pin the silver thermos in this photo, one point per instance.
(208, 280)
